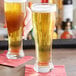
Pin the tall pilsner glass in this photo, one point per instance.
(15, 13)
(43, 24)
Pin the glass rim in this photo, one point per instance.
(43, 7)
(15, 1)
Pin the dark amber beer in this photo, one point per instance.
(15, 13)
(43, 24)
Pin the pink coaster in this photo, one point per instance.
(13, 62)
(57, 71)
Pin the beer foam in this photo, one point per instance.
(43, 7)
(19, 1)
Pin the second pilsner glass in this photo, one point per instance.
(43, 23)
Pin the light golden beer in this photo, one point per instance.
(14, 13)
(43, 24)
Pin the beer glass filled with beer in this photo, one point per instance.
(14, 14)
(43, 23)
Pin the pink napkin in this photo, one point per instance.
(13, 62)
(57, 71)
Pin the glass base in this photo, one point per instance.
(13, 56)
(43, 69)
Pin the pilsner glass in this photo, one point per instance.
(15, 13)
(43, 24)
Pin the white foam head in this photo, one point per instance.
(43, 7)
(19, 1)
